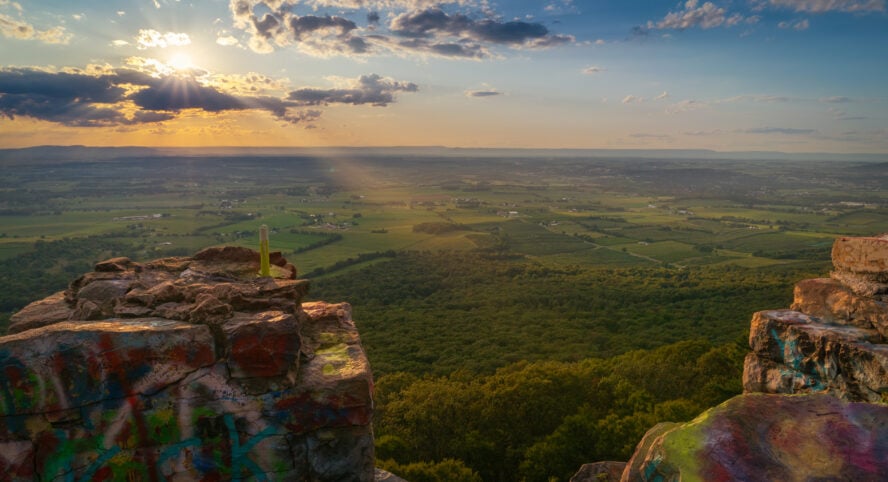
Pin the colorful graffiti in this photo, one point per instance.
(772, 437)
(152, 400)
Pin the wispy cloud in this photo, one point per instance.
(367, 89)
(762, 98)
(790, 131)
(632, 99)
(705, 16)
(795, 25)
(22, 29)
(821, 6)
(227, 41)
(482, 93)
(150, 38)
(686, 105)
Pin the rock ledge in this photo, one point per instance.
(185, 369)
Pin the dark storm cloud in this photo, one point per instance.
(175, 94)
(436, 23)
(300, 27)
(373, 18)
(60, 85)
(466, 50)
(369, 89)
(86, 100)
(65, 98)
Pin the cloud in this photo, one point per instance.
(14, 5)
(385, 4)
(761, 98)
(686, 105)
(22, 30)
(106, 96)
(316, 35)
(645, 135)
(779, 130)
(632, 99)
(415, 27)
(150, 38)
(836, 100)
(798, 26)
(227, 41)
(69, 99)
(593, 69)
(821, 6)
(704, 16)
(434, 22)
(713, 132)
(662, 96)
(367, 89)
(482, 93)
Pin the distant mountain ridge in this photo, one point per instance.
(79, 153)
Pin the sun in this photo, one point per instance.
(180, 61)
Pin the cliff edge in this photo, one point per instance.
(185, 369)
(815, 402)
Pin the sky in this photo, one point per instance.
(728, 75)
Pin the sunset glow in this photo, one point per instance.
(794, 75)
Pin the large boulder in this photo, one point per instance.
(185, 369)
(796, 353)
(861, 264)
(770, 437)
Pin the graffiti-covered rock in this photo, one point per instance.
(185, 369)
(769, 437)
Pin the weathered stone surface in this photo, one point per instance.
(830, 349)
(832, 302)
(116, 264)
(770, 437)
(863, 285)
(210, 377)
(862, 255)
(262, 345)
(47, 311)
(635, 468)
(600, 472)
(384, 476)
(795, 353)
(207, 288)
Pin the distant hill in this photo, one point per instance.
(59, 154)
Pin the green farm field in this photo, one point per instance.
(479, 277)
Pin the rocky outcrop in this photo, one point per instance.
(833, 338)
(600, 472)
(185, 369)
(816, 389)
(770, 437)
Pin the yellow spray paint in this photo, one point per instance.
(264, 264)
